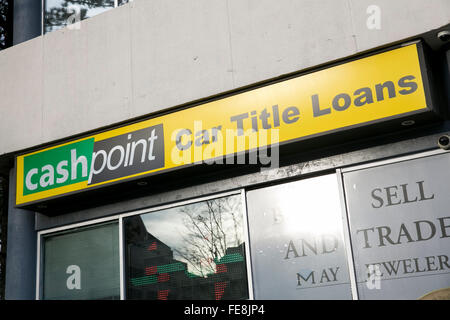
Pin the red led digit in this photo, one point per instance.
(153, 246)
(150, 270)
(219, 289)
(163, 294)
(221, 268)
(163, 277)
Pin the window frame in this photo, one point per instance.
(342, 215)
(59, 230)
(119, 218)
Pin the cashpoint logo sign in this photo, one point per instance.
(376, 88)
(87, 162)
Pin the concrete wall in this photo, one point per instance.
(151, 55)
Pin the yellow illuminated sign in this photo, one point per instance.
(374, 88)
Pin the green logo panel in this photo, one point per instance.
(58, 167)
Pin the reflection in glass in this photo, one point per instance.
(60, 13)
(82, 265)
(195, 251)
(297, 241)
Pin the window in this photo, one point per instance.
(297, 241)
(82, 264)
(189, 252)
(400, 227)
(195, 250)
(61, 13)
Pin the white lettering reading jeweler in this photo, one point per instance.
(48, 172)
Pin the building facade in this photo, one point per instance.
(226, 150)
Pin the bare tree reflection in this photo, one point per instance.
(194, 251)
(57, 16)
(212, 227)
(6, 23)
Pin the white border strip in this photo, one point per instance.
(347, 236)
(247, 245)
(121, 261)
(38, 267)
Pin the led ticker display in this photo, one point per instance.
(166, 273)
(194, 252)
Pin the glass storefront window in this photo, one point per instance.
(400, 228)
(61, 13)
(189, 252)
(297, 242)
(82, 264)
(395, 245)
